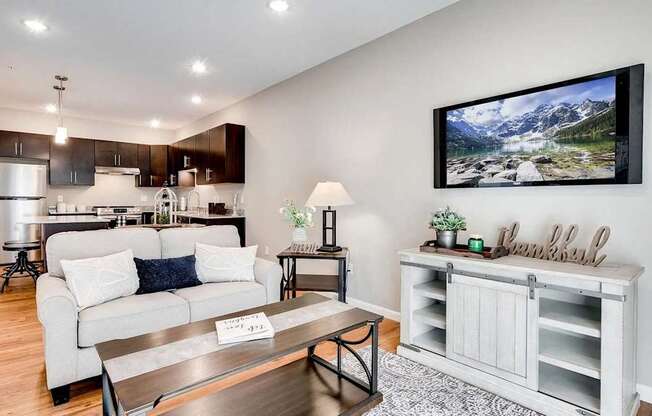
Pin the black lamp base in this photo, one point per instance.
(329, 249)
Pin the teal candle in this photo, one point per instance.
(476, 243)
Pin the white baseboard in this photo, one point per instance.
(387, 313)
(645, 392)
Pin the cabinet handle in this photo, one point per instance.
(115, 159)
(119, 160)
(21, 148)
(75, 176)
(70, 176)
(150, 180)
(208, 175)
(186, 161)
(16, 148)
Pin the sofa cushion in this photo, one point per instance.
(97, 280)
(214, 299)
(179, 242)
(74, 245)
(131, 316)
(158, 275)
(225, 264)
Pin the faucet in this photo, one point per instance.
(190, 195)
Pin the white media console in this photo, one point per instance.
(558, 338)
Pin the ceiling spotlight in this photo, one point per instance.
(155, 123)
(35, 26)
(196, 99)
(51, 108)
(279, 5)
(199, 67)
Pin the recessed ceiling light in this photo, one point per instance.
(35, 26)
(198, 67)
(196, 99)
(51, 108)
(279, 5)
(155, 123)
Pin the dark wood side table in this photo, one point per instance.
(293, 281)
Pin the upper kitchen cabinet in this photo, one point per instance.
(187, 154)
(143, 151)
(222, 153)
(72, 163)
(25, 145)
(117, 154)
(158, 165)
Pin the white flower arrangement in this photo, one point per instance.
(298, 218)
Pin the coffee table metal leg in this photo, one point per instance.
(372, 375)
(109, 403)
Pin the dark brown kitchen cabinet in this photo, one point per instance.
(158, 163)
(108, 153)
(187, 153)
(143, 151)
(24, 145)
(222, 155)
(72, 163)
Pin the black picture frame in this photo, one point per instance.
(629, 130)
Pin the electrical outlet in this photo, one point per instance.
(267, 250)
(350, 268)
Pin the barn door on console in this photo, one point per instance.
(490, 326)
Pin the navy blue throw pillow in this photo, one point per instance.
(158, 275)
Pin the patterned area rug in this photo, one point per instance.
(412, 389)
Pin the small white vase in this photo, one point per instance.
(299, 235)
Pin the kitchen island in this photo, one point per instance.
(202, 217)
(51, 224)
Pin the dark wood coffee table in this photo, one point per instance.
(141, 372)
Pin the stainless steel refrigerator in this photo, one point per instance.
(23, 189)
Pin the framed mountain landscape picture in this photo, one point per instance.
(582, 131)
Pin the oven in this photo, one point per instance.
(121, 216)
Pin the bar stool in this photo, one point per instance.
(22, 264)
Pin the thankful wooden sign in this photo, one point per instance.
(557, 245)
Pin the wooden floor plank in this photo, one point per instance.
(22, 371)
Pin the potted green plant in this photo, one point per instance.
(299, 218)
(446, 224)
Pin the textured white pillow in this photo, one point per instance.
(97, 280)
(225, 264)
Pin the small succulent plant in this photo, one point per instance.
(447, 220)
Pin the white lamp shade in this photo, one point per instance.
(61, 136)
(329, 194)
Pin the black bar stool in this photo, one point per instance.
(22, 264)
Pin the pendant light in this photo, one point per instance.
(61, 136)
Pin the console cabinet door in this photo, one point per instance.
(489, 327)
(106, 153)
(127, 155)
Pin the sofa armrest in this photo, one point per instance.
(57, 311)
(269, 275)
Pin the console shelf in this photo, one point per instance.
(434, 289)
(574, 353)
(581, 319)
(433, 315)
(570, 387)
(433, 341)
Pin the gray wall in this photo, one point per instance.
(365, 119)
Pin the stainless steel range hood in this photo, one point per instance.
(116, 170)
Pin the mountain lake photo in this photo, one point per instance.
(559, 134)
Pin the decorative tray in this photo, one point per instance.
(461, 250)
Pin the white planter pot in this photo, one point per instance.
(299, 235)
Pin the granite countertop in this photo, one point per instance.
(61, 219)
(204, 215)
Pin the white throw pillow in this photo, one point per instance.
(97, 280)
(225, 264)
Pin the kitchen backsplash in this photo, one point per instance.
(121, 190)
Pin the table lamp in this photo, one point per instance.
(329, 194)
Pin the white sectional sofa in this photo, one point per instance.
(70, 335)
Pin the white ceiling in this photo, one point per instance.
(129, 60)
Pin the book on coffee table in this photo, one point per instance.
(244, 328)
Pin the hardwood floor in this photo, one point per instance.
(22, 370)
